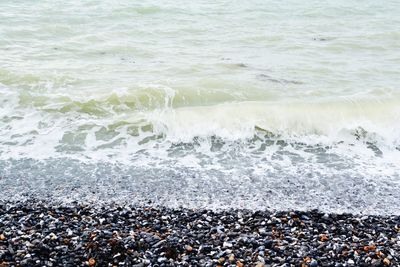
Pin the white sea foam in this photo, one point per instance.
(246, 104)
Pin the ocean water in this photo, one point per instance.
(250, 104)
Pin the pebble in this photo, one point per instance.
(313, 263)
(92, 262)
(227, 245)
(39, 233)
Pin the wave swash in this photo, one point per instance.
(266, 114)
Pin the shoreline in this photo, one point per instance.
(36, 233)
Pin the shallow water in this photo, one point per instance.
(257, 104)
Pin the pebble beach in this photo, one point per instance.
(199, 133)
(38, 233)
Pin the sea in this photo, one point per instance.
(257, 104)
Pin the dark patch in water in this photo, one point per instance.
(242, 65)
(360, 133)
(321, 39)
(265, 77)
(375, 149)
(128, 59)
(264, 132)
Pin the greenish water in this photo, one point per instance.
(229, 91)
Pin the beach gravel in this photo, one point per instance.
(38, 233)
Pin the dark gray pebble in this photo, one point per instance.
(39, 233)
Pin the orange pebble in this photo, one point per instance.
(92, 262)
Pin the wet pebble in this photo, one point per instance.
(38, 233)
